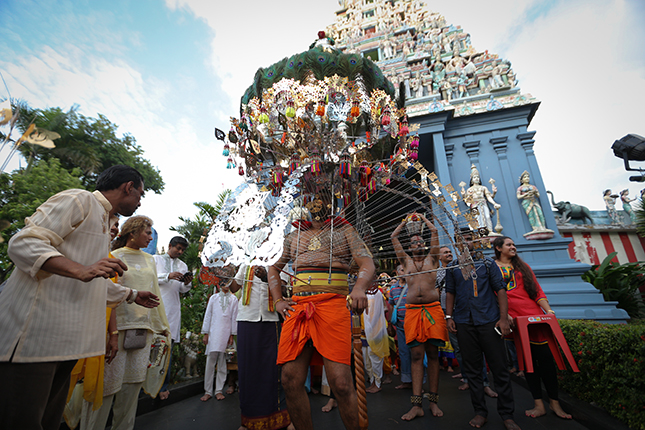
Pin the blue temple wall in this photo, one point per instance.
(500, 145)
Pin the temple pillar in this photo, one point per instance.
(513, 226)
(459, 142)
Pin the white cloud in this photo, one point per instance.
(572, 60)
(580, 60)
(253, 34)
(573, 55)
(173, 140)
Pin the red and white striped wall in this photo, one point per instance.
(591, 246)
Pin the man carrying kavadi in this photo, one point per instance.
(425, 324)
(317, 320)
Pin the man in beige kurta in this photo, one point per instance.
(52, 310)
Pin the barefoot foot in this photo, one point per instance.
(511, 425)
(538, 409)
(219, 396)
(490, 393)
(403, 386)
(230, 389)
(416, 411)
(436, 412)
(478, 421)
(164, 395)
(331, 404)
(387, 380)
(373, 389)
(206, 397)
(456, 375)
(450, 369)
(557, 409)
(464, 387)
(535, 412)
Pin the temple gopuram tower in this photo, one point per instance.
(472, 117)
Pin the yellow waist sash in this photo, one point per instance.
(318, 280)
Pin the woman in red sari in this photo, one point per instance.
(526, 298)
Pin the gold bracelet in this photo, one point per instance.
(114, 332)
(278, 301)
(550, 311)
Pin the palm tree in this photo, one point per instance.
(194, 229)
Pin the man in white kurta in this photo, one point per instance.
(262, 403)
(174, 279)
(172, 282)
(220, 325)
(52, 311)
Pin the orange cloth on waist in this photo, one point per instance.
(424, 321)
(323, 318)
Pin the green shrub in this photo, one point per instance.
(612, 369)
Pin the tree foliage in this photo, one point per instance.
(85, 148)
(22, 191)
(88, 144)
(194, 302)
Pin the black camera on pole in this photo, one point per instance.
(631, 148)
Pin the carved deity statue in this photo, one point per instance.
(529, 195)
(610, 204)
(426, 81)
(446, 90)
(415, 84)
(462, 84)
(477, 196)
(627, 207)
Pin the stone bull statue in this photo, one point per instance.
(569, 211)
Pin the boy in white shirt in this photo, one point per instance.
(219, 327)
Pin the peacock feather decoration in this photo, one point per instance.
(321, 135)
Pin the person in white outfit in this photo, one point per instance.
(174, 280)
(220, 325)
(377, 340)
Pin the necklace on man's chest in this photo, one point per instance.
(314, 242)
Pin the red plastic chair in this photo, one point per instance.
(523, 345)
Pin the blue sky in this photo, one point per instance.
(167, 72)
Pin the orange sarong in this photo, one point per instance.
(425, 322)
(323, 318)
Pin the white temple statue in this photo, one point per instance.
(477, 196)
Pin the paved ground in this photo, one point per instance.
(384, 408)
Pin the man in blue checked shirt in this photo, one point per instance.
(476, 309)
